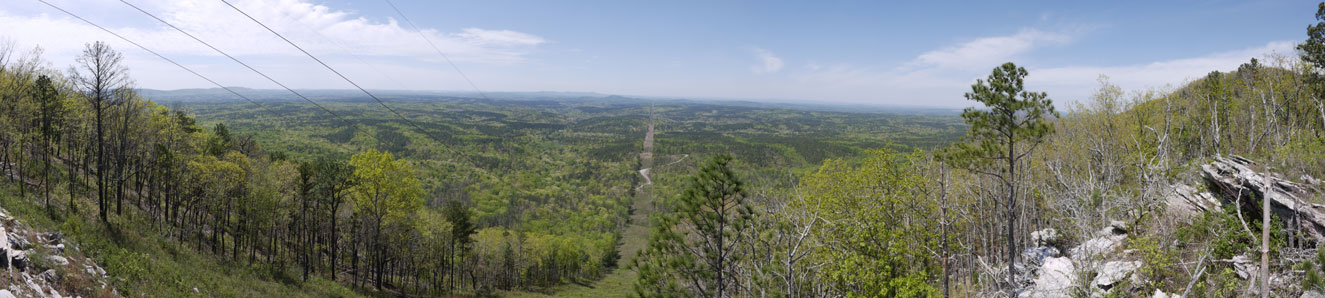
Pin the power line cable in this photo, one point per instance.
(338, 73)
(159, 56)
(269, 78)
(439, 51)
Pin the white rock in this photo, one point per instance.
(1045, 237)
(1161, 294)
(1057, 276)
(1312, 294)
(1093, 248)
(1244, 266)
(4, 238)
(7, 294)
(1113, 272)
(1118, 227)
(58, 260)
(35, 287)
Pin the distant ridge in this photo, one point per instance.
(197, 95)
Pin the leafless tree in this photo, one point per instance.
(98, 72)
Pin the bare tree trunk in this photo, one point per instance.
(1012, 213)
(943, 225)
(1265, 231)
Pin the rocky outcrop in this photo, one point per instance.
(1056, 279)
(1107, 240)
(1232, 181)
(1059, 276)
(36, 264)
(1235, 180)
(1112, 273)
(1184, 200)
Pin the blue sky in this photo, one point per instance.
(921, 53)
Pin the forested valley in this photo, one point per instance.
(1207, 189)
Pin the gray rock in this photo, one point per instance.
(32, 284)
(1244, 266)
(7, 294)
(1046, 237)
(1186, 201)
(1114, 272)
(1118, 227)
(18, 243)
(1161, 294)
(19, 260)
(1034, 256)
(1312, 294)
(1094, 248)
(49, 276)
(4, 236)
(54, 238)
(1057, 276)
(1233, 177)
(58, 260)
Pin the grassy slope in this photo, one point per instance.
(141, 263)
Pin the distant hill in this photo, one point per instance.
(217, 95)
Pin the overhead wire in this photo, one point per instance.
(158, 55)
(264, 75)
(438, 50)
(338, 73)
(172, 61)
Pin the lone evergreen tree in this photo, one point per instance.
(697, 243)
(1013, 122)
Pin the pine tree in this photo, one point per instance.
(1013, 122)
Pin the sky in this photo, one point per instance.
(907, 53)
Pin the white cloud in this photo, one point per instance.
(768, 63)
(320, 29)
(934, 78)
(1075, 83)
(499, 37)
(930, 80)
(981, 53)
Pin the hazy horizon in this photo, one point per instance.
(847, 52)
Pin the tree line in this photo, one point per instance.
(953, 220)
(86, 144)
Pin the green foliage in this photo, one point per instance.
(1159, 263)
(1011, 125)
(151, 266)
(1313, 278)
(696, 245)
(1012, 117)
(1221, 230)
(386, 188)
(1313, 49)
(459, 217)
(220, 142)
(878, 227)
